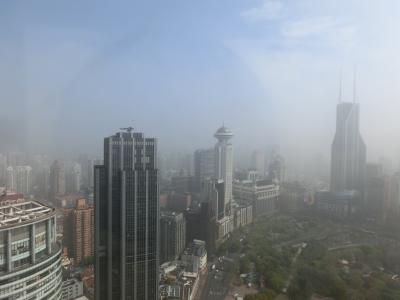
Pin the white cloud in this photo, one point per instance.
(306, 27)
(321, 29)
(269, 10)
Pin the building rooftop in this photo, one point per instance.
(196, 248)
(257, 183)
(22, 211)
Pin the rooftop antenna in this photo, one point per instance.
(127, 129)
(340, 86)
(354, 84)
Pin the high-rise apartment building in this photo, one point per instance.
(349, 154)
(79, 231)
(172, 236)
(126, 197)
(3, 170)
(23, 179)
(57, 179)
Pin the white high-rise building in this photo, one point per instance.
(224, 164)
(23, 179)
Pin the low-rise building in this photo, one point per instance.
(292, 196)
(263, 194)
(195, 257)
(71, 289)
(242, 214)
(338, 204)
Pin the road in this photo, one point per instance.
(218, 280)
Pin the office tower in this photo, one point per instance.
(90, 172)
(23, 179)
(10, 181)
(258, 162)
(57, 179)
(78, 231)
(172, 236)
(213, 193)
(203, 166)
(349, 155)
(30, 264)
(224, 163)
(127, 218)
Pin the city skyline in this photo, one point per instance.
(200, 150)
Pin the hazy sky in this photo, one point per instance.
(72, 72)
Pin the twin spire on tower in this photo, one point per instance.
(354, 85)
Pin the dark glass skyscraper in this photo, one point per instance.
(127, 218)
(349, 153)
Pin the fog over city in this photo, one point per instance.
(178, 69)
(200, 149)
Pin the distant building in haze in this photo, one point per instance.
(23, 179)
(10, 179)
(76, 177)
(126, 197)
(57, 180)
(349, 154)
(203, 166)
(258, 162)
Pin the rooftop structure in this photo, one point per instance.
(14, 212)
(30, 257)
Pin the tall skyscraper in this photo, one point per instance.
(57, 179)
(224, 163)
(349, 154)
(126, 197)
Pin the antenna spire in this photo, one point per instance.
(355, 84)
(340, 86)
